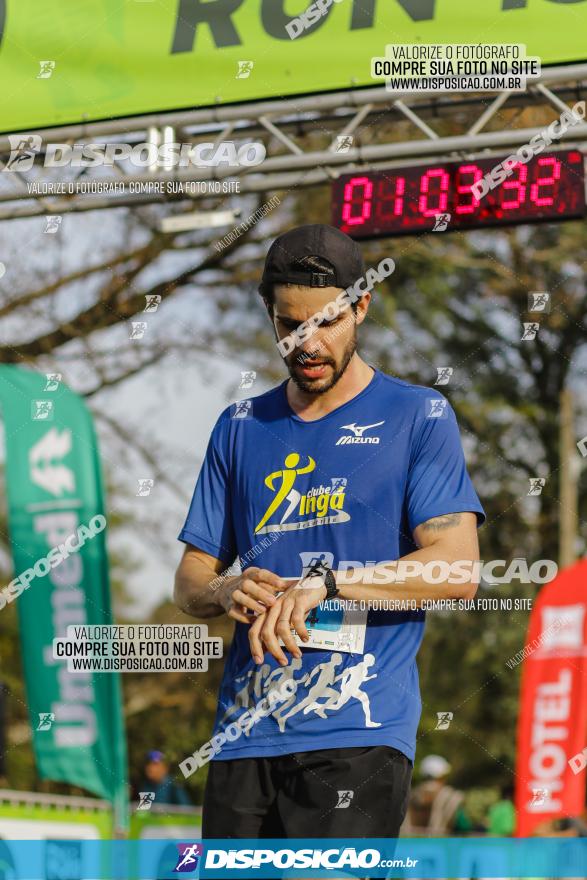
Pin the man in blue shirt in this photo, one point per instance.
(348, 490)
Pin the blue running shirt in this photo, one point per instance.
(353, 484)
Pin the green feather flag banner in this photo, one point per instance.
(54, 489)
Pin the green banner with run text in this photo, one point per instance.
(70, 62)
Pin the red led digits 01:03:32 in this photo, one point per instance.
(404, 200)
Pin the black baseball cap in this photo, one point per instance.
(318, 240)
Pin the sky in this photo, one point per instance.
(170, 407)
(173, 412)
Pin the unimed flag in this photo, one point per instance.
(54, 486)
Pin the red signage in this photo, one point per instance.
(552, 726)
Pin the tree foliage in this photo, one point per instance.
(456, 300)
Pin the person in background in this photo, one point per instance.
(156, 778)
(436, 809)
(502, 815)
(563, 826)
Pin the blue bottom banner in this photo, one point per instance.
(411, 858)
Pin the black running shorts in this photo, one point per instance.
(353, 792)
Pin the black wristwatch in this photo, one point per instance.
(321, 570)
(329, 582)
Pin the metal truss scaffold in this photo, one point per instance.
(288, 129)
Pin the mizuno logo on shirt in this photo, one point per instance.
(357, 435)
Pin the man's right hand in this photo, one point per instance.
(250, 593)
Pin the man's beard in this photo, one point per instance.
(309, 386)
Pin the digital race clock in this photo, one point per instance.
(404, 200)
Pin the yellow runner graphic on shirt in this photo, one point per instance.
(319, 499)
